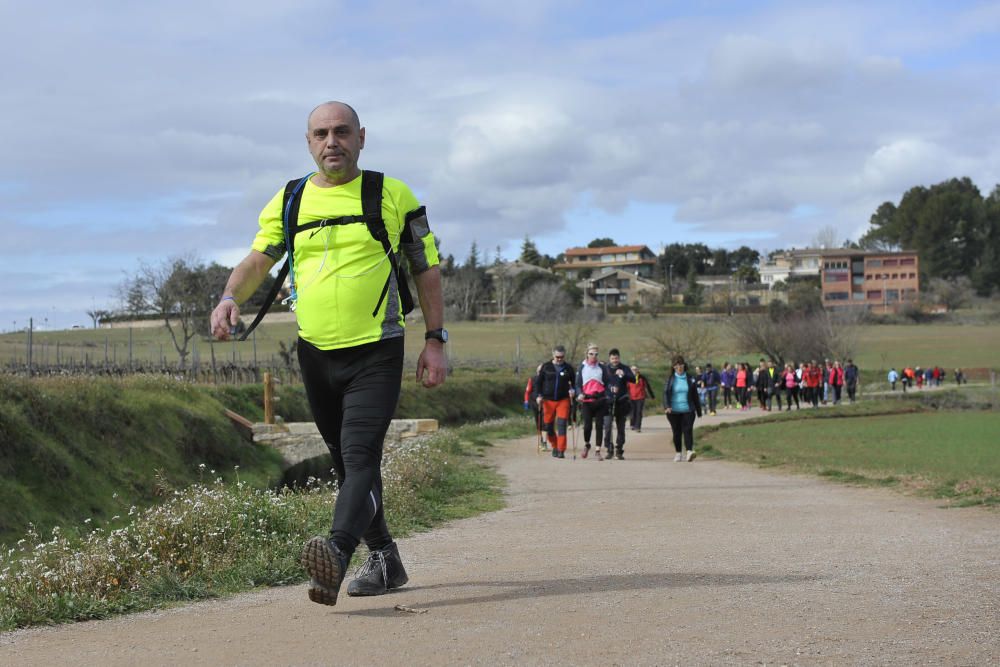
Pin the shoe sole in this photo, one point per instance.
(324, 569)
(691, 457)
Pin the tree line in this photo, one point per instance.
(955, 230)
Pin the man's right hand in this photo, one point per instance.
(225, 317)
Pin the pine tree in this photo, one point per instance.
(529, 253)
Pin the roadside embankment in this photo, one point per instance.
(79, 449)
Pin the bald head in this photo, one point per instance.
(335, 139)
(338, 105)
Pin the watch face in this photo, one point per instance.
(437, 334)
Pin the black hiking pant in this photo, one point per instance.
(353, 393)
(793, 393)
(711, 397)
(592, 412)
(682, 426)
(617, 415)
(636, 416)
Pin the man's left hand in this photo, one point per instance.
(431, 366)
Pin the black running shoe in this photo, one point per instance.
(379, 574)
(326, 565)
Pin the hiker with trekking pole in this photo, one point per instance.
(592, 381)
(619, 375)
(345, 232)
(554, 393)
(530, 404)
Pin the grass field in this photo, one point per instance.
(953, 455)
(497, 343)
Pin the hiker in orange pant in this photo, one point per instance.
(554, 392)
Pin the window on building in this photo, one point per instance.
(858, 280)
(908, 261)
(868, 277)
(858, 266)
(913, 275)
(837, 296)
(875, 262)
(832, 277)
(858, 296)
(874, 295)
(892, 295)
(607, 258)
(890, 262)
(623, 283)
(895, 276)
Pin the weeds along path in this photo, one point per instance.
(638, 562)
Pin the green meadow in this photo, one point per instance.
(953, 455)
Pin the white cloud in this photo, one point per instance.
(503, 118)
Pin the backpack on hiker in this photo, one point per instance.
(371, 215)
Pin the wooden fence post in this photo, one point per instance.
(268, 399)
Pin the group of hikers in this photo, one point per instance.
(604, 396)
(914, 376)
(812, 383)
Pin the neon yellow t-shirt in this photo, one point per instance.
(340, 270)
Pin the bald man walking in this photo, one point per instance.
(344, 231)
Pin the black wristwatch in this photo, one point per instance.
(437, 334)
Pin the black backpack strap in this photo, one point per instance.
(272, 294)
(371, 206)
(290, 203)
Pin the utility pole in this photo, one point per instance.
(31, 331)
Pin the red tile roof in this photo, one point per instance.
(576, 252)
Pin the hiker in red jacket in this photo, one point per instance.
(638, 392)
(531, 404)
(836, 380)
(814, 379)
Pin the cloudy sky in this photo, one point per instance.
(136, 131)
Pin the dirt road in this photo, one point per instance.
(635, 562)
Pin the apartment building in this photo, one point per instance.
(880, 281)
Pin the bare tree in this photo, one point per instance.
(547, 302)
(574, 334)
(504, 287)
(694, 339)
(463, 291)
(177, 290)
(97, 316)
(952, 294)
(794, 336)
(826, 237)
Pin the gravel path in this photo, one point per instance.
(635, 562)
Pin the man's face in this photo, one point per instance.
(335, 142)
(614, 359)
(558, 357)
